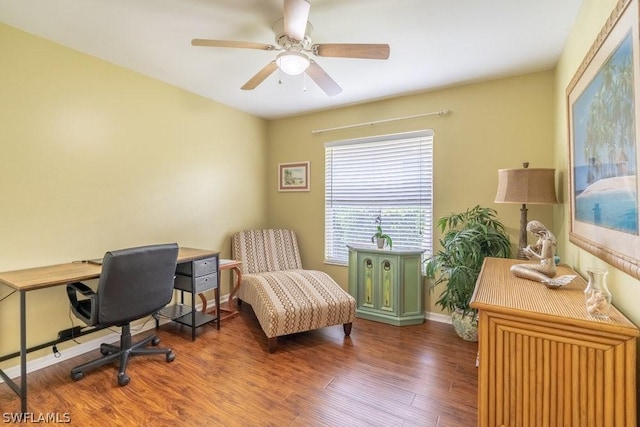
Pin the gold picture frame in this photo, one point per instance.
(602, 110)
(293, 176)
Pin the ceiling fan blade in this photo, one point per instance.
(322, 79)
(296, 14)
(229, 43)
(260, 76)
(350, 50)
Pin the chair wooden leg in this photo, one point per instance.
(347, 329)
(272, 344)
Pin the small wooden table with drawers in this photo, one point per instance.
(234, 266)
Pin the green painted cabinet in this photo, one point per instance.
(387, 284)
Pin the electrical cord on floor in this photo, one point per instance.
(139, 328)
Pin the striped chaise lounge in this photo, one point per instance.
(286, 298)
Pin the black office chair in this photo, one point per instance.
(134, 283)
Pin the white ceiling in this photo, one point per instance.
(434, 43)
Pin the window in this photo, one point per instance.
(390, 176)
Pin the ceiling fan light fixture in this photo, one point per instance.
(292, 63)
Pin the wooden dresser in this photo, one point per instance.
(543, 361)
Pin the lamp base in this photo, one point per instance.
(522, 241)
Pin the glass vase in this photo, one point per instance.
(597, 295)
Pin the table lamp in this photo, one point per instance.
(526, 186)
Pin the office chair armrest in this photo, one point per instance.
(86, 308)
(72, 288)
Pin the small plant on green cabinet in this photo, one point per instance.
(380, 238)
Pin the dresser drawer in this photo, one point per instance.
(202, 283)
(201, 267)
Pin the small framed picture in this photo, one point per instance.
(293, 176)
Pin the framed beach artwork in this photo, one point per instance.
(603, 102)
(293, 176)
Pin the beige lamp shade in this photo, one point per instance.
(528, 186)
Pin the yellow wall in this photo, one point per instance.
(95, 157)
(593, 15)
(493, 125)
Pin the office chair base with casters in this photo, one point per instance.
(112, 353)
(134, 283)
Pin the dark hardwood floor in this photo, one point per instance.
(382, 375)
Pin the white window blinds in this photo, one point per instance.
(390, 176)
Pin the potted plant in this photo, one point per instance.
(467, 238)
(380, 238)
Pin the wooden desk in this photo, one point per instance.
(544, 360)
(233, 265)
(57, 275)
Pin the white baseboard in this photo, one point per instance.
(438, 317)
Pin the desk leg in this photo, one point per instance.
(217, 297)
(193, 309)
(23, 352)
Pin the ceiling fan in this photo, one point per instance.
(294, 44)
